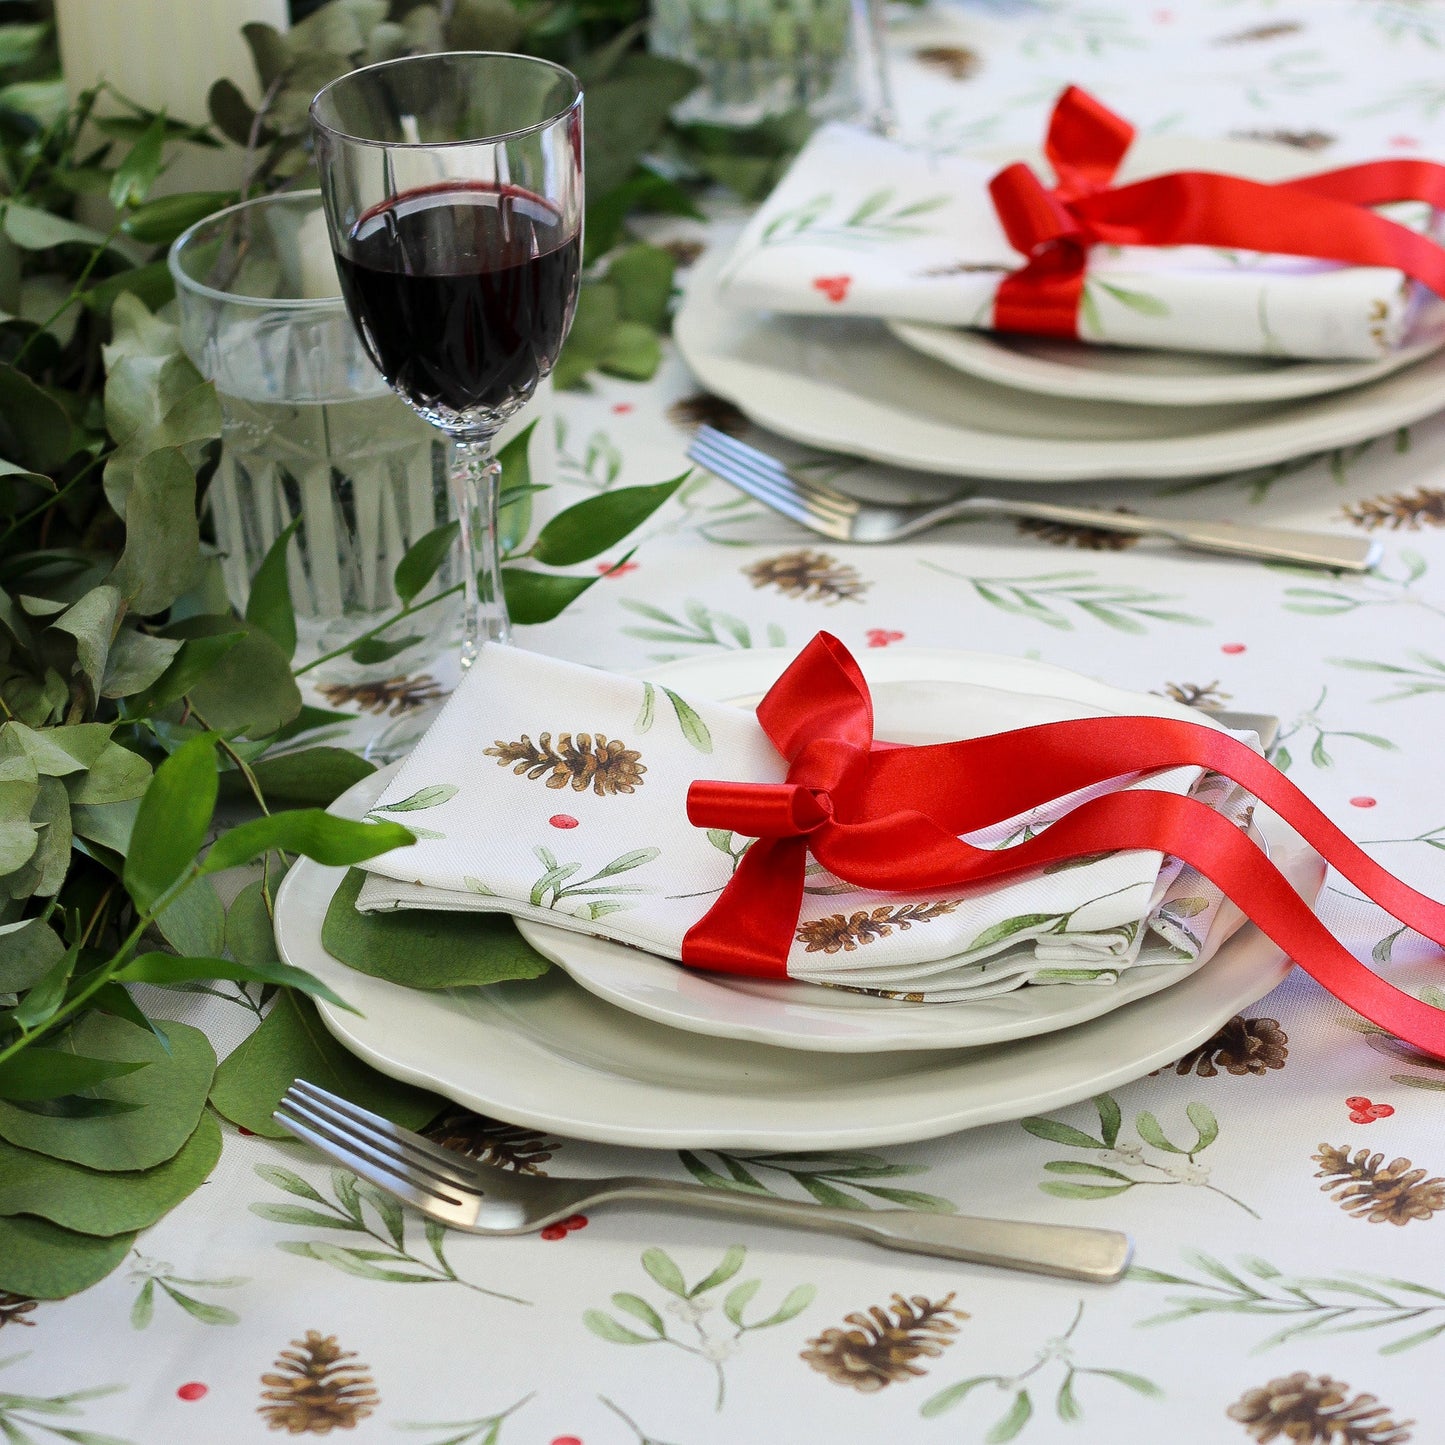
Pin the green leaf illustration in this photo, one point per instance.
(1057, 1133)
(428, 797)
(693, 727)
(659, 1264)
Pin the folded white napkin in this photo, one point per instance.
(862, 226)
(558, 793)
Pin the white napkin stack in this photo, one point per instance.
(558, 793)
(862, 226)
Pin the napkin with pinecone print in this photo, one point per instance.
(557, 793)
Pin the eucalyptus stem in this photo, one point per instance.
(75, 293)
(107, 971)
(399, 616)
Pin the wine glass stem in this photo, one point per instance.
(474, 476)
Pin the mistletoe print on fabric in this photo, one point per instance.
(693, 1311)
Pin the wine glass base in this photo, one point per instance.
(397, 739)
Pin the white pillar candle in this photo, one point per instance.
(166, 55)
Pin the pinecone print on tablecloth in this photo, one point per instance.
(396, 695)
(813, 576)
(1208, 695)
(1242, 1046)
(489, 1140)
(14, 1308)
(957, 62)
(1400, 511)
(1365, 1186)
(1069, 534)
(841, 932)
(1302, 140)
(606, 765)
(1304, 1409)
(702, 408)
(879, 1350)
(313, 1391)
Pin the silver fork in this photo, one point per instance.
(846, 519)
(483, 1199)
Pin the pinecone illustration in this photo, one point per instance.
(1400, 511)
(702, 408)
(1394, 1194)
(14, 1308)
(813, 576)
(313, 1391)
(957, 62)
(1316, 1410)
(878, 1350)
(1070, 534)
(1208, 695)
(1242, 1046)
(506, 1145)
(397, 694)
(845, 932)
(606, 765)
(1304, 140)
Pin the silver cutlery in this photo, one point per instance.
(847, 519)
(484, 1199)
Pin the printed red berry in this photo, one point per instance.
(1357, 1101)
(562, 820)
(567, 1440)
(554, 1231)
(881, 637)
(194, 1390)
(1362, 1111)
(617, 569)
(1233, 649)
(621, 408)
(574, 1221)
(1382, 1111)
(242, 1129)
(1362, 802)
(835, 288)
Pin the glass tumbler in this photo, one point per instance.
(311, 435)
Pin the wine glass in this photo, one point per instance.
(453, 192)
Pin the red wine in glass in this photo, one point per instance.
(463, 293)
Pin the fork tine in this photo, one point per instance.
(821, 501)
(390, 1177)
(780, 495)
(789, 505)
(744, 453)
(382, 1135)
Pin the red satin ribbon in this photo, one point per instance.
(1324, 216)
(889, 817)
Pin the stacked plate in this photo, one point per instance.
(622, 1047)
(1023, 409)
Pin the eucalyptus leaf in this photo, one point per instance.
(423, 560)
(28, 951)
(44, 872)
(136, 174)
(193, 660)
(248, 689)
(195, 920)
(174, 817)
(169, 968)
(534, 597)
(43, 1261)
(136, 661)
(642, 276)
(33, 229)
(336, 842)
(313, 775)
(426, 949)
(35, 431)
(293, 1043)
(116, 776)
(250, 932)
(93, 1201)
(268, 605)
(597, 524)
(161, 559)
(51, 1073)
(91, 624)
(164, 1100)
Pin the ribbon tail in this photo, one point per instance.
(749, 930)
(1189, 829)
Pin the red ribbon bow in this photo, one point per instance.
(888, 818)
(1325, 216)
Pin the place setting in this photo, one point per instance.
(555, 889)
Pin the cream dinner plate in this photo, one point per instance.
(548, 1054)
(850, 386)
(1054, 367)
(919, 697)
